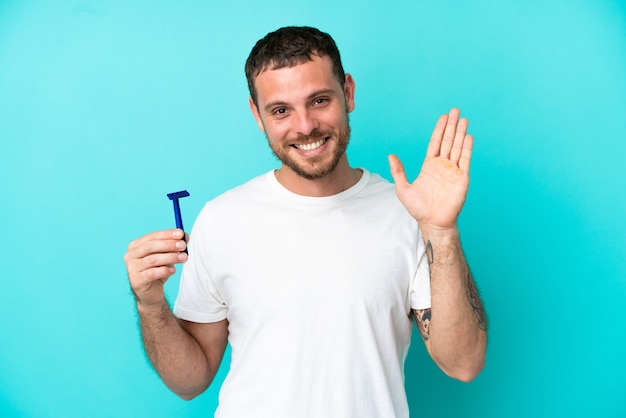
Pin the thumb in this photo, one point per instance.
(397, 172)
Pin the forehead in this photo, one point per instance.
(291, 83)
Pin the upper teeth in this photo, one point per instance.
(309, 147)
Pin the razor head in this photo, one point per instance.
(178, 195)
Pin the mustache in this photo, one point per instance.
(303, 139)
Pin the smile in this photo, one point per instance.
(312, 146)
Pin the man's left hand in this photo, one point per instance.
(437, 195)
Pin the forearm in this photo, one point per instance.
(457, 340)
(176, 356)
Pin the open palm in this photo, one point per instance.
(437, 195)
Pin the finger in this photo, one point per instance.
(434, 146)
(449, 133)
(457, 145)
(155, 253)
(160, 241)
(397, 172)
(160, 246)
(149, 270)
(157, 235)
(466, 153)
(162, 273)
(159, 260)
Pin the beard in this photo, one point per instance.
(315, 167)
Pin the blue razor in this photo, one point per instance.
(179, 219)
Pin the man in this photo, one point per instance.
(314, 272)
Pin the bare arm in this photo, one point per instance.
(454, 328)
(186, 355)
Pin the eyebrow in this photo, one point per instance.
(316, 93)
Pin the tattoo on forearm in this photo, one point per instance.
(429, 252)
(423, 316)
(422, 319)
(474, 300)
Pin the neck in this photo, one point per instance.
(341, 178)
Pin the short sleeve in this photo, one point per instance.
(420, 287)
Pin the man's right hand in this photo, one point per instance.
(185, 354)
(150, 262)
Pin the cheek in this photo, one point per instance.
(336, 118)
(276, 135)
(281, 130)
(273, 133)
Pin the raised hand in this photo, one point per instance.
(150, 262)
(437, 195)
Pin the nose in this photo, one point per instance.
(305, 122)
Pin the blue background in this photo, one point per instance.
(106, 106)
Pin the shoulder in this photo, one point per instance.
(377, 184)
(236, 200)
(379, 189)
(378, 196)
(255, 188)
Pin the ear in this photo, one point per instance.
(256, 114)
(348, 90)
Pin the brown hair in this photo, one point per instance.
(288, 47)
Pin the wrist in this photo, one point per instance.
(443, 245)
(152, 309)
(439, 235)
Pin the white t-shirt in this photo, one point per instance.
(317, 292)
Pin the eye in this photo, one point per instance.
(320, 101)
(281, 111)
